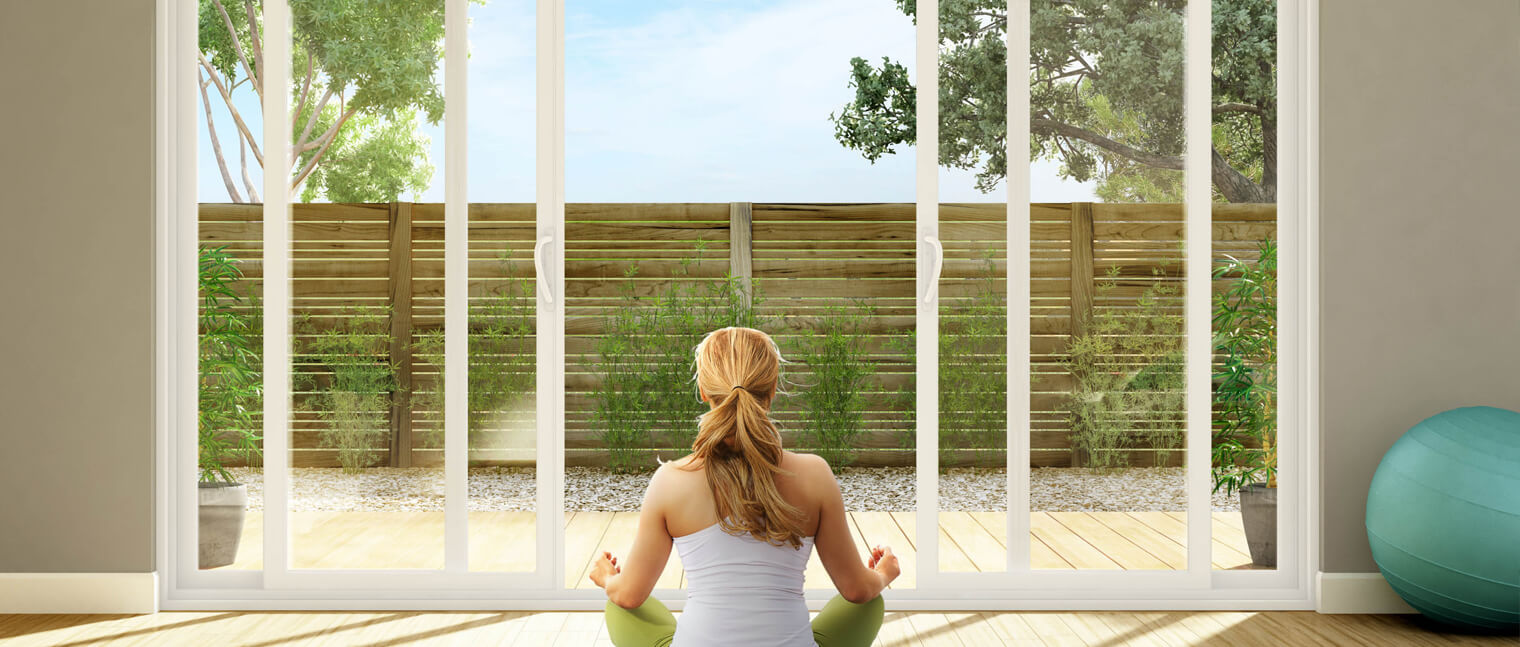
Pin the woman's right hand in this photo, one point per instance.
(884, 563)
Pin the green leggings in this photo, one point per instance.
(841, 623)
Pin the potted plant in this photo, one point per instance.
(230, 391)
(1245, 395)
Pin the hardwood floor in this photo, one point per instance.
(969, 541)
(515, 629)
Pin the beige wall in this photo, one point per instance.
(76, 274)
(1420, 234)
(1420, 226)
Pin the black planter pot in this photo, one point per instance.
(1258, 511)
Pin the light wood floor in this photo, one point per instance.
(516, 629)
(969, 541)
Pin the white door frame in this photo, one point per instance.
(454, 587)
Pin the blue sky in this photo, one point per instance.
(680, 101)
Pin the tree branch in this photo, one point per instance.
(216, 144)
(253, 193)
(306, 132)
(1234, 185)
(237, 46)
(331, 132)
(305, 87)
(1052, 127)
(1269, 156)
(237, 117)
(1236, 107)
(257, 38)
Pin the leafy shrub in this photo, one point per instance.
(230, 381)
(354, 403)
(973, 370)
(1127, 369)
(646, 396)
(502, 355)
(1245, 395)
(832, 405)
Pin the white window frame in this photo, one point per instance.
(184, 586)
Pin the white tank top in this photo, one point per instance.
(742, 592)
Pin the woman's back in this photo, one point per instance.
(739, 590)
(742, 591)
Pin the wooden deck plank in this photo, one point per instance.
(908, 524)
(952, 558)
(1152, 541)
(583, 533)
(878, 528)
(361, 540)
(1114, 545)
(984, 552)
(503, 541)
(1067, 544)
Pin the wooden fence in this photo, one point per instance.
(804, 258)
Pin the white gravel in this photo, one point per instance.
(865, 488)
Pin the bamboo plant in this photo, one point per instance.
(230, 381)
(1245, 394)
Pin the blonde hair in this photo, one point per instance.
(739, 370)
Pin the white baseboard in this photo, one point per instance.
(78, 593)
(1358, 593)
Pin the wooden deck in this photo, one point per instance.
(969, 541)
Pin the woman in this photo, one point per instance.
(744, 515)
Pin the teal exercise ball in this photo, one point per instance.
(1443, 518)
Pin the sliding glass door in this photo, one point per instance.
(1021, 260)
(713, 178)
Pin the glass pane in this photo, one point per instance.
(230, 315)
(1245, 286)
(503, 319)
(1107, 443)
(366, 486)
(973, 289)
(718, 176)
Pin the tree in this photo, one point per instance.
(362, 71)
(1106, 87)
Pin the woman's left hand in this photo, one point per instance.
(606, 566)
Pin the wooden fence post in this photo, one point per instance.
(1081, 284)
(401, 332)
(740, 243)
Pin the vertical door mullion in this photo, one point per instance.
(550, 292)
(1198, 322)
(1018, 286)
(276, 308)
(456, 281)
(1290, 339)
(927, 313)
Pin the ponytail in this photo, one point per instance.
(738, 369)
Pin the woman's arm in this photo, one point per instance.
(629, 582)
(856, 580)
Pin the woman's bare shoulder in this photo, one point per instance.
(806, 466)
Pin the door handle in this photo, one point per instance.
(538, 268)
(932, 292)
